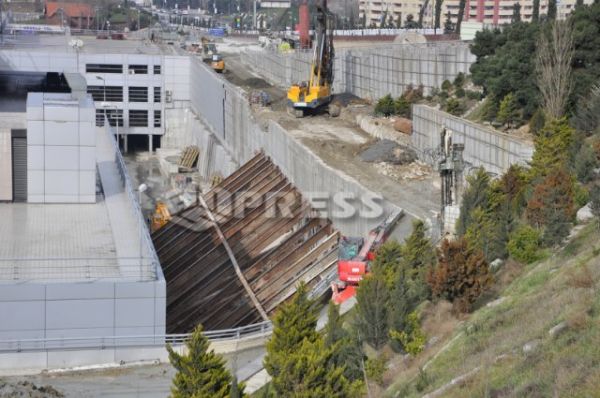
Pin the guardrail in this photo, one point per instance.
(109, 342)
(82, 268)
(136, 210)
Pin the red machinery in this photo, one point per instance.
(355, 256)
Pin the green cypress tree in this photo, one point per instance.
(551, 10)
(516, 17)
(347, 349)
(388, 260)
(552, 148)
(402, 302)
(438, 13)
(476, 195)
(200, 373)
(294, 323)
(461, 14)
(509, 111)
(310, 374)
(535, 15)
(371, 316)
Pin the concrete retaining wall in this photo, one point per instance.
(371, 73)
(242, 136)
(493, 150)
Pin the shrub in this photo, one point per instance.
(412, 337)
(581, 196)
(459, 80)
(402, 107)
(385, 106)
(454, 107)
(537, 122)
(460, 92)
(473, 95)
(443, 95)
(524, 244)
(446, 85)
(375, 368)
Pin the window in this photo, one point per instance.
(157, 118)
(113, 93)
(114, 116)
(156, 94)
(138, 94)
(157, 69)
(138, 69)
(104, 68)
(138, 118)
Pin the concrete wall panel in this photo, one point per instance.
(22, 315)
(22, 292)
(5, 165)
(35, 157)
(61, 182)
(134, 312)
(61, 158)
(69, 359)
(57, 133)
(35, 132)
(64, 314)
(79, 290)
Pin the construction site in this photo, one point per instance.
(223, 175)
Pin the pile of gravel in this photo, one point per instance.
(388, 151)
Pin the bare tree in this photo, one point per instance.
(553, 68)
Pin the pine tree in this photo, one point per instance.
(551, 10)
(551, 205)
(516, 17)
(403, 300)
(371, 316)
(438, 13)
(347, 349)
(200, 373)
(476, 195)
(418, 255)
(387, 260)
(461, 275)
(535, 15)
(508, 112)
(552, 148)
(294, 323)
(448, 25)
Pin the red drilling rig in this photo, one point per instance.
(355, 256)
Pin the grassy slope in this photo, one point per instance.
(562, 288)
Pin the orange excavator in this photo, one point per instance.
(355, 256)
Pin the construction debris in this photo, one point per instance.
(189, 157)
(414, 171)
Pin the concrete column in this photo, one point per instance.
(124, 143)
(150, 143)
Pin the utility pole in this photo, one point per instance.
(254, 17)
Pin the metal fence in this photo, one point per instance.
(110, 342)
(136, 210)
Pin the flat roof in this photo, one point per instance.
(56, 242)
(91, 45)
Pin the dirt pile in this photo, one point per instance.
(388, 151)
(414, 171)
(27, 389)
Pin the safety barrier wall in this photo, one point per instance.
(493, 150)
(370, 72)
(243, 136)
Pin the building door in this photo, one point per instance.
(19, 165)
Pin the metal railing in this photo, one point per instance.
(76, 268)
(109, 342)
(136, 210)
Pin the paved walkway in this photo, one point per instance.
(126, 230)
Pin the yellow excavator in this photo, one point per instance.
(316, 92)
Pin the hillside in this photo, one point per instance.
(540, 337)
